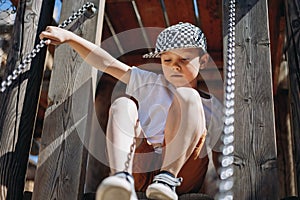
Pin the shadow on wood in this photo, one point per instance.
(142, 196)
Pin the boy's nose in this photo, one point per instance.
(176, 67)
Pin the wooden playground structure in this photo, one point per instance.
(77, 97)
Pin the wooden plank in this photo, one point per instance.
(286, 165)
(279, 54)
(121, 15)
(277, 32)
(255, 149)
(286, 170)
(108, 43)
(180, 11)
(293, 24)
(68, 121)
(124, 22)
(151, 13)
(20, 101)
(210, 14)
(152, 18)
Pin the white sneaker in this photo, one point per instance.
(117, 187)
(163, 187)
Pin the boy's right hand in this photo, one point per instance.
(54, 35)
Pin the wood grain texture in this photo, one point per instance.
(68, 121)
(151, 13)
(210, 14)
(255, 149)
(293, 35)
(19, 102)
(62, 156)
(142, 196)
(180, 11)
(286, 165)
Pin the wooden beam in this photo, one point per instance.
(121, 15)
(68, 120)
(151, 13)
(210, 14)
(19, 103)
(277, 31)
(293, 24)
(286, 164)
(285, 149)
(255, 156)
(180, 11)
(278, 54)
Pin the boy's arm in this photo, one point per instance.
(91, 53)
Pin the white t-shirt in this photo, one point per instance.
(155, 95)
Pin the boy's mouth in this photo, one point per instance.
(176, 75)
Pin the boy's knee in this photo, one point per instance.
(122, 104)
(123, 118)
(188, 95)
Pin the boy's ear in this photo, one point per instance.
(204, 60)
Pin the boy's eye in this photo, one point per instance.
(167, 60)
(185, 59)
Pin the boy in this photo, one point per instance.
(159, 136)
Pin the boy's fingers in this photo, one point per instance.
(48, 41)
(42, 35)
(52, 42)
(45, 36)
(45, 33)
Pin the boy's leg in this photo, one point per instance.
(185, 127)
(122, 129)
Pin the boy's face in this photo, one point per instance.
(181, 66)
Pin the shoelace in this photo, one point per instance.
(172, 182)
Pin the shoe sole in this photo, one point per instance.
(113, 194)
(154, 192)
(113, 189)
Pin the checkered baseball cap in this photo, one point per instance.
(179, 36)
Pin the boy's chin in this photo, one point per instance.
(181, 84)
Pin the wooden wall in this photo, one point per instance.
(68, 122)
(20, 101)
(63, 156)
(255, 158)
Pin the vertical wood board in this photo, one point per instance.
(255, 149)
(293, 35)
(63, 155)
(20, 100)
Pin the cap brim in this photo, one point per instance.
(152, 55)
(157, 54)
